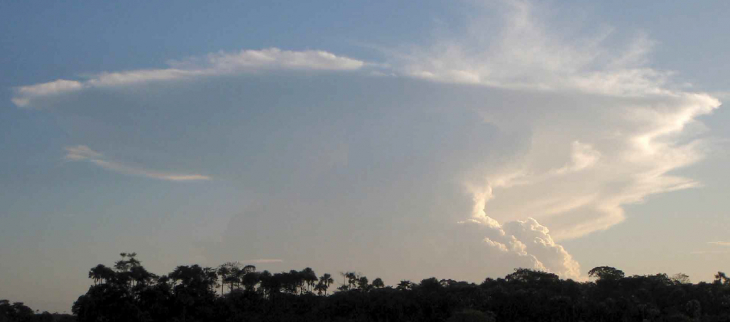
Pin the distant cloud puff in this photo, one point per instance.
(215, 64)
(84, 153)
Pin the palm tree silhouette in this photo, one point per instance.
(325, 280)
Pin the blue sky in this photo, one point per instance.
(380, 136)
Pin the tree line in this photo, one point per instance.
(235, 292)
(19, 312)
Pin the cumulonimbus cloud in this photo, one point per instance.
(611, 132)
(214, 64)
(604, 129)
(84, 153)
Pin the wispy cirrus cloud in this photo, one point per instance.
(526, 54)
(214, 64)
(84, 153)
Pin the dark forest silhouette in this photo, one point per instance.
(18, 311)
(236, 292)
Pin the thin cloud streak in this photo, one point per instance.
(702, 252)
(720, 243)
(214, 64)
(84, 153)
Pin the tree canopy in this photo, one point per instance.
(128, 292)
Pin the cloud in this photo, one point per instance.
(80, 152)
(214, 64)
(281, 59)
(703, 252)
(604, 130)
(524, 54)
(719, 243)
(84, 153)
(25, 93)
(597, 128)
(525, 243)
(583, 156)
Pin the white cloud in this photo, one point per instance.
(25, 93)
(606, 130)
(500, 246)
(214, 64)
(631, 148)
(139, 76)
(281, 59)
(528, 244)
(526, 55)
(84, 153)
(80, 152)
(583, 156)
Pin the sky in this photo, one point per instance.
(403, 141)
